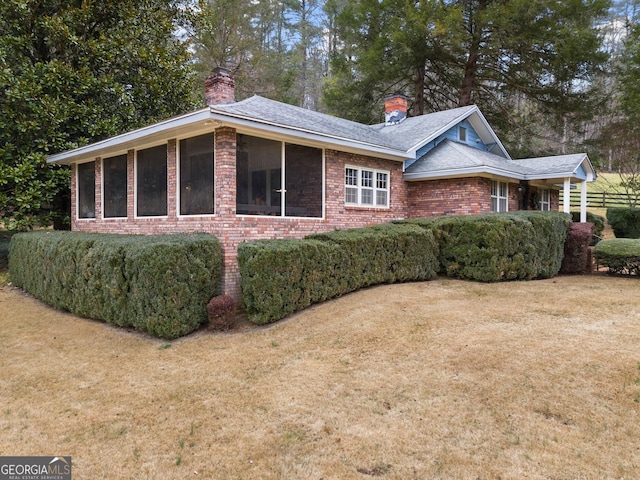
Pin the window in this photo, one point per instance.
(499, 196)
(196, 175)
(264, 166)
(366, 188)
(115, 186)
(86, 181)
(544, 196)
(462, 134)
(151, 181)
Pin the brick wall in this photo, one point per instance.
(232, 229)
(455, 196)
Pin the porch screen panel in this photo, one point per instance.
(115, 186)
(86, 181)
(151, 181)
(196, 175)
(258, 176)
(303, 181)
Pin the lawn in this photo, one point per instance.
(442, 379)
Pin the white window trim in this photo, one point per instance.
(542, 201)
(375, 189)
(462, 134)
(498, 197)
(77, 173)
(102, 185)
(135, 181)
(178, 192)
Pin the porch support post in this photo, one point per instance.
(583, 202)
(566, 201)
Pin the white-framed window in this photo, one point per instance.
(151, 181)
(365, 187)
(499, 196)
(544, 196)
(114, 186)
(462, 134)
(196, 175)
(86, 186)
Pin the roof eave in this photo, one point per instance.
(483, 122)
(252, 125)
(133, 138)
(462, 172)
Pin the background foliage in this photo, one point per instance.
(73, 72)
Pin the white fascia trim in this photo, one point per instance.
(132, 136)
(346, 144)
(464, 172)
(413, 151)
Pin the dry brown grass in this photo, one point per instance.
(443, 379)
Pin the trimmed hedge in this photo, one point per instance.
(280, 277)
(625, 222)
(576, 249)
(495, 247)
(156, 284)
(621, 255)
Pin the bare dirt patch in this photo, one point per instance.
(443, 379)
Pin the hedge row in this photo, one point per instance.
(621, 255)
(495, 247)
(156, 284)
(625, 222)
(280, 277)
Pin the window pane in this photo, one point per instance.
(367, 178)
(503, 204)
(258, 176)
(381, 180)
(351, 195)
(303, 181)
(196, 175)
(86, 190)
(115, 186)
(381, 198)
(367, 196)
(351, 176)
(151, 181)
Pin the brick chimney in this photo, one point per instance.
(219, 87)
(395, 109)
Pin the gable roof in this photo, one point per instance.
(261, 116)
(451, 159)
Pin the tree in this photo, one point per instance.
(272, 47)
(72, 72)
(528, 65)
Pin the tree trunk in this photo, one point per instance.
(418, 106)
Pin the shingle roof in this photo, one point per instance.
(450, 158)
(402, 136)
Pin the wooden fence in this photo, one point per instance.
(603, 199)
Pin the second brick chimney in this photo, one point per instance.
(219, 87)
(395, 109)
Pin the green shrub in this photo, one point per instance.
(495, 247)
(621, 255)
(598, 224)
(157, 284)
(5, 239)
(280, 277)
(625, 222)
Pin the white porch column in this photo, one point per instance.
(567, 196)
(583, 202)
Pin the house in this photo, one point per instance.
(260, 169)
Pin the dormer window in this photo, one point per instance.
(462, 134)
